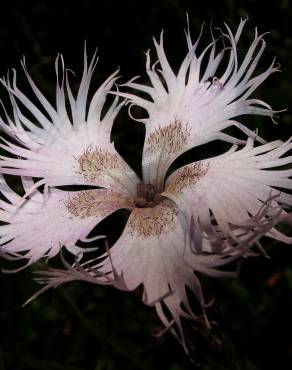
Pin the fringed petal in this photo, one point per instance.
(68, 145)
(225, 196)
(154, 251)
(193, 106)
(40, 225)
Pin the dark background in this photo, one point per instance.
(86, 327)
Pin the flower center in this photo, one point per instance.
(147, 197)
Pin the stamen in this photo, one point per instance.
(147, 197)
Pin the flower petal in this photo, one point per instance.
(42, 224)
(60, 149)
(227, 192)
(194, 106)
(154, 250)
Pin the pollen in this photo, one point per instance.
(187, 177)
(171, 138)
(152, 222)
(95, 161)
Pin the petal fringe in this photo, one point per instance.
(195, 105)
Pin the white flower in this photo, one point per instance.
(203, 216)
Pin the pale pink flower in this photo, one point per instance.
(202, 217)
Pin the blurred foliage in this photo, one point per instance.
(84, 327)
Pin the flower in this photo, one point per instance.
(203, 216)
